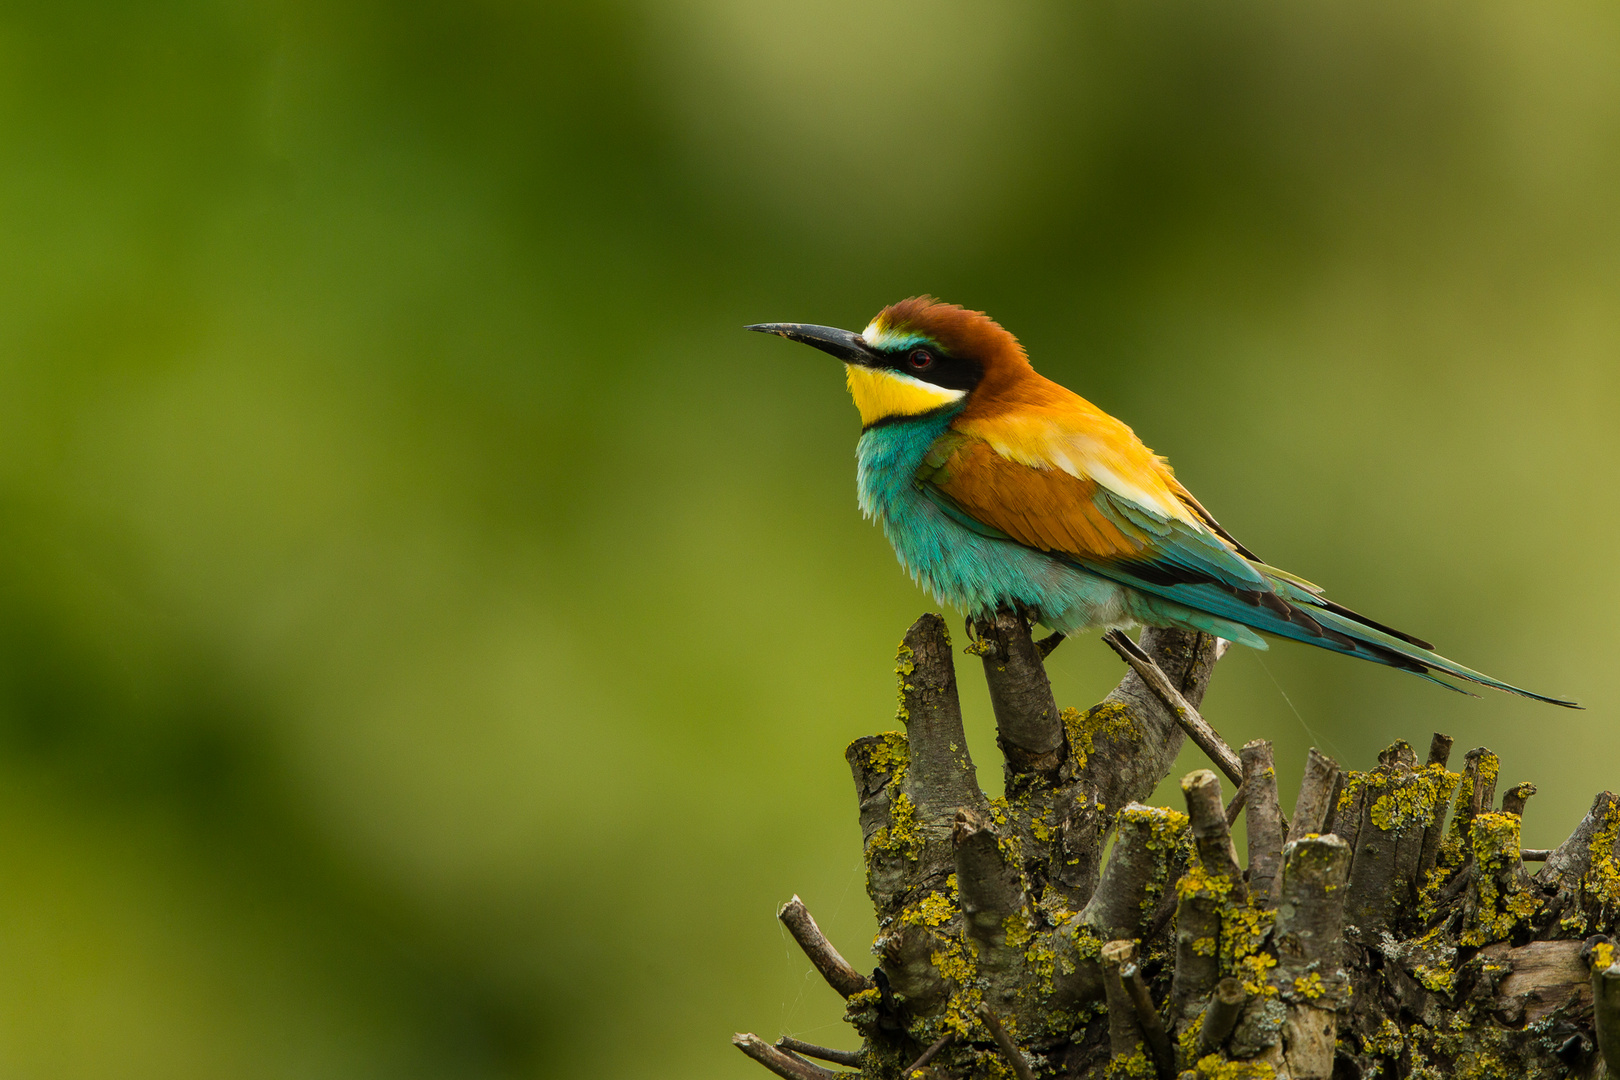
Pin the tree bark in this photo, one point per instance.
(1388, 928)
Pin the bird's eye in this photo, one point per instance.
(920, 360)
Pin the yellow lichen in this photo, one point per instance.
(1213, 1067)
(935, 909)
(905, 663)
(1310, 986)
(1168, 835)
(1109, 720)
(1495, 842)
(1040, 825)
(1043, 962)
(1079, 738)
(957, 961)
(1132, 1066)
(1195, 879)
(1255, 971)
(1602, 879)
(1487, 766)
(889, 753)
(1191, 1037)
(1018, 930)
(903, 834)
(1387, 1041)
(1413, 799)
(1602, 956)
(1439, 979)
(1243, 930)
(872, 998)
(999, 811)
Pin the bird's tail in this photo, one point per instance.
(1341, 630)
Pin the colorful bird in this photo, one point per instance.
(1000, 488)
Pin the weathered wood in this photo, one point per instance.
(1139, 859)
(1515, 798)
(1240, 799)
(1264, 821)
(1542, 977)
(1569, 862)
(992, 894)
(1308, 935)
(1125, 1036)
(838, 972)
(1316, 789)
(1499, 882)
(941, 778)
(1482, 794)
(1027, 723)
(779, 1062)
(910, 788)
(1310, 924)
(1212, 837)
(1197, 961)
(1225, 1006)
(1435, 831)
(852, 1058)
(1399, 803)
(1599, 953)
(1160, 1049)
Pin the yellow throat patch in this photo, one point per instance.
(881, 394)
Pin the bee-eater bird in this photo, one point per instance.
(1000, 488)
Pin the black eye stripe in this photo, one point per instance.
(933, 365)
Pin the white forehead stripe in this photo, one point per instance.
(880, 337)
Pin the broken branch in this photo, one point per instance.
(1147, 1016)
(1316, 788)
(782, 1064)
(852, 1058)
(929, 1054)
(1196, 727)
(838, 972)
(1221, 1016)
(1009, 1049)
(1264, 820)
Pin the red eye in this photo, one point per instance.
(920, 360)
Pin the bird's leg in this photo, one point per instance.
(1032, 617)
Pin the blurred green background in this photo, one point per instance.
(429, 627)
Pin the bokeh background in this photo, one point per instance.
(429, 627)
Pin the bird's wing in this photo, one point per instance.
(1087, 491)
(1096, 497)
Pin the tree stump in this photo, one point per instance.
(1372, 933)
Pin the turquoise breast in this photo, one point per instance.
(970, 571)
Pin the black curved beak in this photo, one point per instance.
(846, 346)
